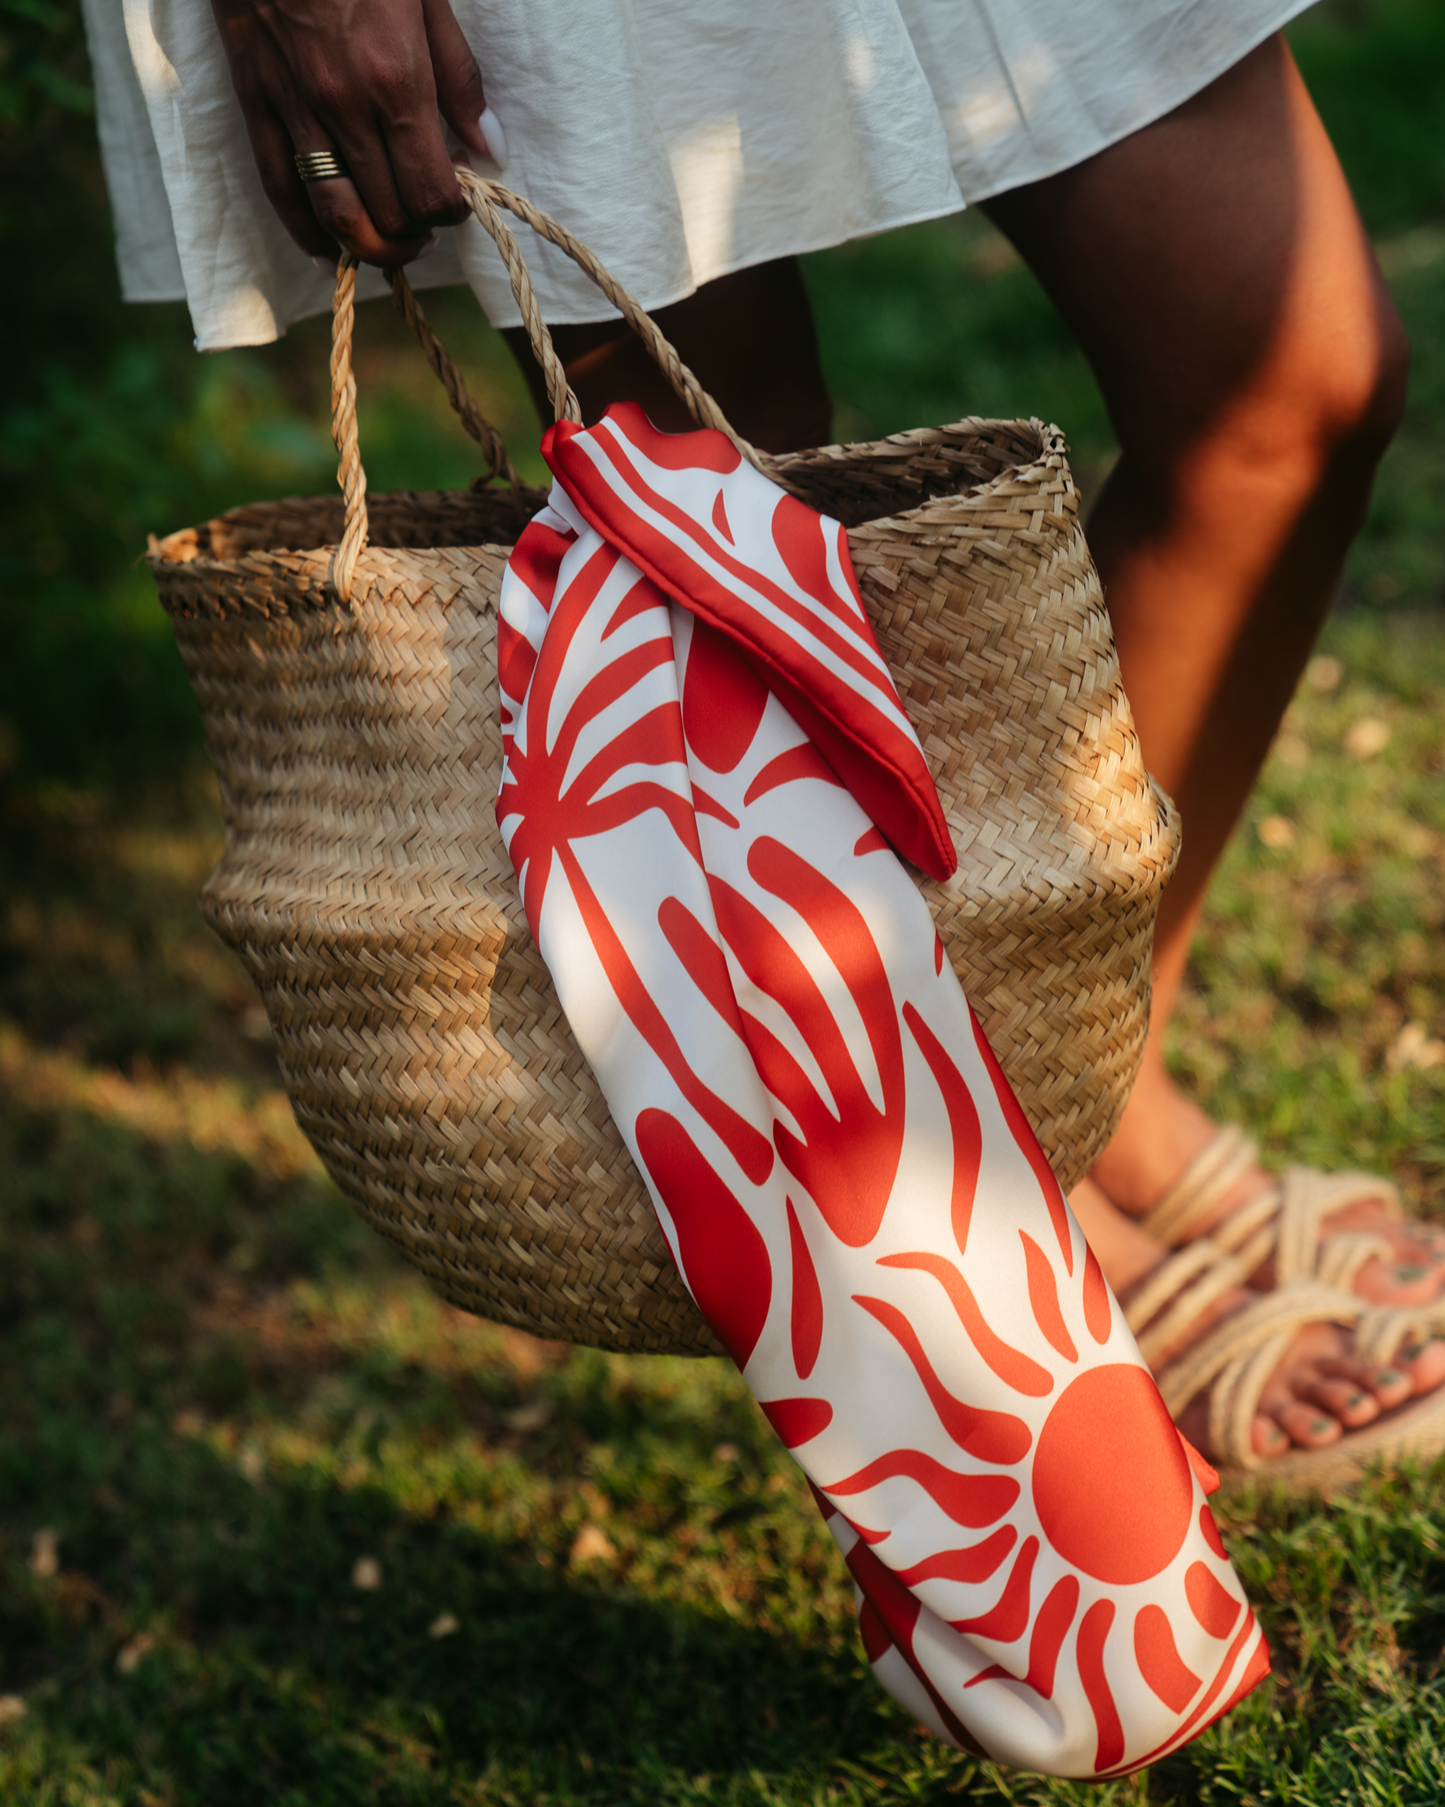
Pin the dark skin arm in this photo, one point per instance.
(373, 81)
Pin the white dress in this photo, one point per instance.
(680, 140)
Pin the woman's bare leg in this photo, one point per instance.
(1220, 282)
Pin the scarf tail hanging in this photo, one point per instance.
(841, 1171)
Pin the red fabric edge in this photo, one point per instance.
(908, 813)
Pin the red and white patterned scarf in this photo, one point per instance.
(706, 763)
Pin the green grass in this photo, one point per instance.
(219, 1391)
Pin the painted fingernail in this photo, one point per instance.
(493, 137)
(427, 249)
(326, 265)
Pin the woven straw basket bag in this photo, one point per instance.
(345, 663)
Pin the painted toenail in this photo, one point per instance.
(1388, 1377)
(1321, 1425)
(1354, 1400)
(1406, 1274)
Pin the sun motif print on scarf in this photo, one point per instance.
(707, 772)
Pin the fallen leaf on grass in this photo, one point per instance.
(45, 1553)
(252, 1464)
(12, 1707)
(133, 1654)
(1277, 833)
(1368, 736)
(366, 1574)
(1415, 1047)
(529, 1417)
(1325, 673)
(443, 1625)
(592, 1544)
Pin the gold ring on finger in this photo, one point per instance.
(319, 166)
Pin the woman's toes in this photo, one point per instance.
(1403, 1283)
(1424, 1364)
(1388, 1386)
(1417, 1368)
(1307, 1425)
(1347, 1400)
(1267, 1437)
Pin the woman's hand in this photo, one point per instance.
(371, 81)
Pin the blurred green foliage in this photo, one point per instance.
(111, 427)
(42, 63)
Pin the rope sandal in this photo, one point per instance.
(1289, 1213)
(1235, 1359)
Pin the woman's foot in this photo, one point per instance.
(1162, 1132)
(1318, 1392)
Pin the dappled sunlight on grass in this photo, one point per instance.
(227, 1399)
(214, 1116)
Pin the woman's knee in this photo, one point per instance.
(1309, 416)
(1322, 409)
(1364, 392)
(1218, 276)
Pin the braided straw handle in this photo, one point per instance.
(351, 474)
(486, 199)
(460, 397)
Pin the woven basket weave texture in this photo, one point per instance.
(365, 886)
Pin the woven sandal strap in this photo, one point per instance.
(1234, 1400)
(1287, 1308)
(1307, 1198)
(1383, 1329)
(1340, 1258)
(1220, 1164)
(1246, 1220)
(1239, 1356)
(1169, 1278)
(1300, 1211)
(1224, 1272)
(1342, 1189)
